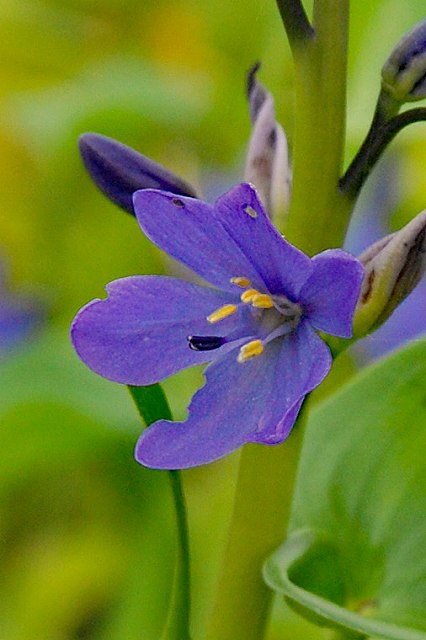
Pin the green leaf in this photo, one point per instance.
(355, 553)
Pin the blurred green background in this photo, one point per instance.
(86, 535)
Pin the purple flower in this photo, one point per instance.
(256, 325)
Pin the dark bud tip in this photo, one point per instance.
(256, 93)
(205, 343)
(119, 171)
(251, 77)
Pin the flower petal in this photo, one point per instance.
(187, 230)
(256, 401)
(330, 295)
(283, 268)
(222, 415)
(139, 334)
(303, 363)
(119, 170)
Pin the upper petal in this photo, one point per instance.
(138, 335)
(187, 230)
(283, 268)
(330, 294)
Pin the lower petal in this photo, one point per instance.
(303, 363)
(222, 416)
(256, 401)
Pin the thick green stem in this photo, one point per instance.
(258, 525)
(318, 214)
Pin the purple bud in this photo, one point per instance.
(119, 171)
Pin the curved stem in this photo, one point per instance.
(152, 405)
(259, 522)
(373, 147)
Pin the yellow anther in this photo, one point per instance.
(262, 301)
(248, 295)
(222, 312)
(250, 350)
(241, 282)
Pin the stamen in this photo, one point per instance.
(248, 295)
(262, 301)
(250, 350)
(241, 282)
(205, 343)
(222, 312)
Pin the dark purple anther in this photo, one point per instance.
(205, 343)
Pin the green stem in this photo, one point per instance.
(258, 525)
(152, 405)
(177, 622)
(373, 147)
(295, 21)
(315, 219)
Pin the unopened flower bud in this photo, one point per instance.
(393, 266)
(119, 171)
(404, 72)
(267, 162)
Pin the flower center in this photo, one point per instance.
(275, 316)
